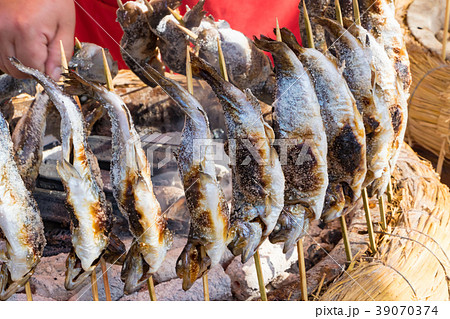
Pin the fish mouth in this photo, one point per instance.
(75, 274)
(291, 226)
(135, 270)
(246, 238)
(9, 287)
(334, 203)
(191, 264)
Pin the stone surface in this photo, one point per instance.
(219, 289)
(244, 281)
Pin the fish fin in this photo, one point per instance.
(253, 101)
(115, 251)
(75, 274)
(67, 170)
(267, 205)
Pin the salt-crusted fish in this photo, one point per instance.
(378, 17)
(88, 62)
(172, 42)
(133, 191)
(20, 222)
(365, 74)
(346, 157)
(302, 143)
(390, 95)
(258, 180)
(247, 66)
(78, 168)
(139, 43)
(28, 139)
(204, 197)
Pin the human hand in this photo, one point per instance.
(31, 31)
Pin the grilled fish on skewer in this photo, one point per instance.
(299, 128)
(10, 87)
(379, 19)
(365, 76)
(345, 133)
(205, 199)
(28, 138)
(171, 38)
(133, 191)
(90, 214)
(390, 95)
(258, 180)
(20, 222)
(138, 44)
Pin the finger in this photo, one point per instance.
(65, 33)
(7, 52)
(31, 50)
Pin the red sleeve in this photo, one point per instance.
(96, 19)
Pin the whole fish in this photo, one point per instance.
(258, 180)
(346, 157)
(20, 222)
(390, 94)
(171, 40)
(205, 198)
(299, 129)
(139, 43)
(88, 62)
(378, 17)
(365, 74)
(28, 139)
(133, 191)
(90, 214)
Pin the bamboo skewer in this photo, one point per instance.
(338, 12)
(190, 86)
(151, 289)
(382, 212)
(356, 12)
(77, 43)
(176, 15)
(262, 287)
(28, 291)
(120, 4)
(444, 40)
(187, 31)
(277, 31)
(94, 286)
(105, 279)
(369, 221)
(302, 270)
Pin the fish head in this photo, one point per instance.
(135, 270)
(334, 202)
(75, 274)
(131, 12)
(245, 238)
(291, 226)
(192, 264)
(7, 286)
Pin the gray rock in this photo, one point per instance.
(219, 289)
(244, 282)
(167, 270)
(23, 297)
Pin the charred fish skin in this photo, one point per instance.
(139, 43)
(346, 157)
(391, 99)
(205, 199)
(364, 71)
(20, 222)
(298, 125)
(258, 180)
(90, 213)
(379, 18)
(133, 191)
(28, 138)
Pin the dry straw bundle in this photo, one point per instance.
(429, 103)
(412, 262)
